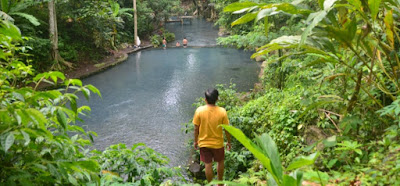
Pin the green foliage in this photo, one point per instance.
(169, 36)
(266, 151)
(162, 9)
(250, 41)
(338, 78)
(138, 164)
(157, 39)
(9, 9)
(40, 144)
(88, 30)
(34, 125)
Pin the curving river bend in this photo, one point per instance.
(148, 97)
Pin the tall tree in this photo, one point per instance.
(135, 23)
(55, 55)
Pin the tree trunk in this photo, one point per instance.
(55, 55)
(135, 22)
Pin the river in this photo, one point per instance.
(148, 97)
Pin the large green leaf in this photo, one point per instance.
(287, 7)
(54, 75)
(283, 42)
(264, 13)
(90, 165)
(355, 3)
(10, 30)
(244, 19)
(289, 181)
(328, 4)
(5, 5)
(93, 89)
(29, 17)
(329, 142)
(374, 7)
(266, 26)
(37, 117)
(268, 147)
(316, 18)
(9, 141)
(26, 137)
(254, 149)
(62, 119)
(302, 161)
(238, 6)
(389, 27)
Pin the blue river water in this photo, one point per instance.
(148, 97)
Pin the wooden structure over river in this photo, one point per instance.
(180, 19)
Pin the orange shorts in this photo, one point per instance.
(208, 155)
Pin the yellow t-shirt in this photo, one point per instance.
(208, 118)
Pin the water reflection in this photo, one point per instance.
(171, 96)
(137, 57)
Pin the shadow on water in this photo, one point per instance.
(148, 97)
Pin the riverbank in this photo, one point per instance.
(87, 69)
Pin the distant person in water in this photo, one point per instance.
(208, 134)
(164, 43)
(178, 44)
(184, 42)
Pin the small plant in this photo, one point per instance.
(138, 164)
(266, 151)
(156, 40)
(169, 36)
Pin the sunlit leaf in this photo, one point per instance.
(26, 137)
(10, 30)
(302, 161)
(316, 18)
(246, 142)
(268, 147)
(93, 89)
(37, 117)
(75, 82)
(32, 19)
(355, 3)
(238, 6)
(5, 5)
(329, 142)
(328, 4)
(264, 13)
(9, 141)
(85, 92)
(266, 26)
(389, 27)
(288, 180)
(374, 7)
(244, 19)
(62, 119)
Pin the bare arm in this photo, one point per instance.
(196, 136)
(228, 137)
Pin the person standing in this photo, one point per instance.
(208, 135)
(184, 42)
(164, 43)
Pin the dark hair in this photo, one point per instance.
(211, 95)
(184, 37)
